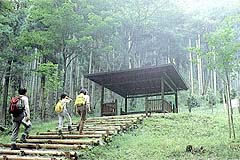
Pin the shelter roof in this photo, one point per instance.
(141, 81)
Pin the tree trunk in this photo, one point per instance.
(77, 87)
(64, 71)
(90, 66)
(34, 87)
(215, 79)
(42, 97)
(230, 106)
(71, 81)
(42, 93)
(191, 68)
(5, 91)
(92, 93)
(199, 64)
(228, 112)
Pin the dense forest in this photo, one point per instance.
(48, 46)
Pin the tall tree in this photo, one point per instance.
(224, 47)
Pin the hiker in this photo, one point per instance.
(82, 104)
(22, 116)
(64, 113)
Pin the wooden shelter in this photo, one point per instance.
(142, 82)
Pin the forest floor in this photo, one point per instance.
(167, 137)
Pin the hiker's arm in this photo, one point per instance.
(66, 100)
(88, 102)
(26, 104)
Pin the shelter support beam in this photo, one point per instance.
(170, 80)
(102, 99)
(162, 94)
(176, 103)
(125, 105)
(146, 105)
(165, 82)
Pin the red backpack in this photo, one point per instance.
(16, 106)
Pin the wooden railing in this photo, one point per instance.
(155, 105)
(109, 109)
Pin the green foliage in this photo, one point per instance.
(193, 102)
(212, 98)
(224, 46)
(50, 70)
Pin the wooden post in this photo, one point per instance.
(126, 105)
(176, 103)
(146, 105)
(162, 95)
(116, 112)
(102, 100)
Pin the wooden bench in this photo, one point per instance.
(109, 109)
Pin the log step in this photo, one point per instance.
(114, 130)
(141, 116)
(106, 132)
(65, 136)
(64, 141)
(99, 127)
(70, 155)
(47, 146)
(10, 157)
(111, 120)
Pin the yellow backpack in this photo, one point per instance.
(59, 107)
(80, 100)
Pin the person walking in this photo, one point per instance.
(64, 113)
(21, 116)
(82, 104)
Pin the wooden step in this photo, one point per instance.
(64, 141)
(38, 153)
(65, 136)
(55, 132)
(47, 146)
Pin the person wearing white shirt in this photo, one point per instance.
(22, 118)
(65, 100)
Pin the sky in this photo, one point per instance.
(202, 5)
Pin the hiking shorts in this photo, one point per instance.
(82, 111)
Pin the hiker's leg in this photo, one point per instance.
(28, 126)
(60, 121)
(80, 123)
(79, 113)
(69, 121)
(15, 130)
(83, 118)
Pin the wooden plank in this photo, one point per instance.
(64, 141)
(94, 129)
(111, 120)
(38, 152)
(101, 127)
(10, 157)
(105, 132)
(47, 146)
(65, 136)
(119, 117)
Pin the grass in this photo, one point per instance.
(166, 137)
